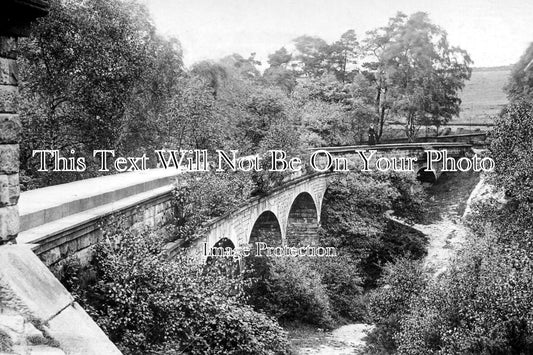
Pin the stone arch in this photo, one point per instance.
(302, 222)
(217, 261)
(425, 175)
(266, 229)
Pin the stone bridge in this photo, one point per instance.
(64, 220)
(289, 215)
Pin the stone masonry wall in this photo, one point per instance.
(10, 129)
(154, 213)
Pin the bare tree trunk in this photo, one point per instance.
(381, 111)
(409, 127)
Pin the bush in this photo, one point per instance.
(146, 303)
(288, 289)
(341, 277)
(511, 150)
(411, 201)
(483, 306)
(389, 303)
(354, 220)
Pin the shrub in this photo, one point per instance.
(483, 306)
(387, 305)
(341, 277)
(411, 201)
(146, 303)
(288, 289)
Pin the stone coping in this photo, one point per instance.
(44, 234)
(45, 205)
(395, 146)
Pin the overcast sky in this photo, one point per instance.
(494, 32)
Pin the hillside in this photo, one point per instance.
(484, 95)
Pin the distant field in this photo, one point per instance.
(483, 96)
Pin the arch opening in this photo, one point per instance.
(302, 224)
(266, 229)
(220, 259)
(425, 175)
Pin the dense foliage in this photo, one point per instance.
(511, 150)
(147, 303)
(322, 291)
(135, 95)
(416, 72)
(288, 289)
(354, 219)
(482, 304)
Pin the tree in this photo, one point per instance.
(213, 73)
(190, 121)
(333, 112)
(92, 73)
(342, 56)
(312, 55)
(278, 73)
(511, 150)
(417, 74)
(246, 67)
(279, 58)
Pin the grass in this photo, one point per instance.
(484, 95)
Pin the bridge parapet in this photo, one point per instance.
(64, 220)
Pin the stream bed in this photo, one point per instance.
(445, 231)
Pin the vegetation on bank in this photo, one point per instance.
(148, 304)
(482, 304)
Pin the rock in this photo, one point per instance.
(484, 191)
(44, 350)
(15, 323)
(31, 331)
(9, 158)
(10, 126)
(9, 222)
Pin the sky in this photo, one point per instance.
(494, 32)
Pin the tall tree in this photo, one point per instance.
(312, 54)
(342, 56)
(417, 74)
(92, 73)
(280, 58)
(279, 73)
(213, 73)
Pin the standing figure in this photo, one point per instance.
(371, 135)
